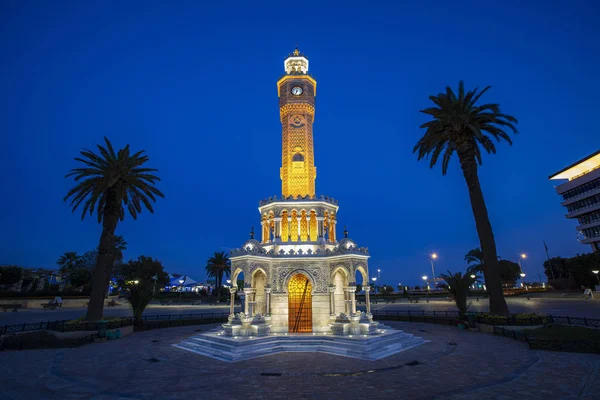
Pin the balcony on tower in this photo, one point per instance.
(296, 63)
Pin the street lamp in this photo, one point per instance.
(433, 257)
(180, 290)
(155, 277)
(378, 274)
(136, 282)
(596, 273)
(374, 286)
(425, 279)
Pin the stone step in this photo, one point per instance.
(372, 348)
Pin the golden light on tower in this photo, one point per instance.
(297, 91)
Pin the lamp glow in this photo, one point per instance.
(595, 271)
(434, 256)
(424, 277)
(473, 276)
(522, 274)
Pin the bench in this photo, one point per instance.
(14, 307)
(49, 306)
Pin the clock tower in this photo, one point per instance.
(297, 91)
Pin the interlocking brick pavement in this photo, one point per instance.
(454, 365)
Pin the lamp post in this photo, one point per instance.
(433, 257)
(374, 286)
(378, 274)
(180, 290)
(155, 278)
(473, 276)
(425, 280)
(596, 273)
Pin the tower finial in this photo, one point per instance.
(252, 233)
(296, 52)
(345, 232)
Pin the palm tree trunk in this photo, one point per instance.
(491, 271)
(106, 250)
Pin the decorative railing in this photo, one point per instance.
(296, 198)
(300, 253)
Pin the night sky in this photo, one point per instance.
(194, 84)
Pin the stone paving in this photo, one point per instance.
(454, 365)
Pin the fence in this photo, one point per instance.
(171, 320)
(451, 317)
(148, 322)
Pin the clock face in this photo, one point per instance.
(296, 90)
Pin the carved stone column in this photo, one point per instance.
(232, 291)
(244, 296)
(346, 298)
(268, 295)
(331, 300)
(367, 289)
(352, 293)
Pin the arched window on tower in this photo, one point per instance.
(298, 157)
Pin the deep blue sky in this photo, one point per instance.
(193, 84)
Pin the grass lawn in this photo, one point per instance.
(565, 332)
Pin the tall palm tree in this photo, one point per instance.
(217, 266)
(461, 126)
(67, 262)
(108, 183)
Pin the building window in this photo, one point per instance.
(586, 187)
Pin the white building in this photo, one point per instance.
(581, 197)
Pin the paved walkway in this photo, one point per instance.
(454, 365)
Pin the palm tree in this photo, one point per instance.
(217, 266)
(458, 285)
(108, 183)
(461, 126)
(475, 260)
(120, 247)
(67, 262)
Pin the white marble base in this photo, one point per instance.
(365, 347)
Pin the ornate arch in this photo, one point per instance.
(313, 281)
(363, 271)
(235, 275)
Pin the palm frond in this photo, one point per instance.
(117, 180)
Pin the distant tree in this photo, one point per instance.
(10, 274)
(110, 183)
(459, 125)
(385, 289)
(509, 272)
(240, 284)
(68, 262)
(358, 287)
(217, 266)
(80, 277)
(559, 269)
(417, 287)
(87, 260)
(459, 287)
(136, 277)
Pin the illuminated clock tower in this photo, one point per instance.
(297, 91)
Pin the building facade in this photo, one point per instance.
(298, 277)
(581, 197)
